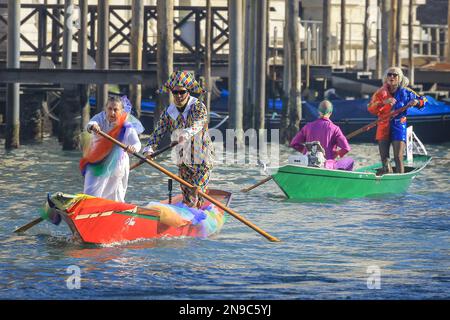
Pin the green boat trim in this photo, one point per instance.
(310, 183)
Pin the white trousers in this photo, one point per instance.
(112, 187)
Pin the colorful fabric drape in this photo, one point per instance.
(208, 217)
(95, 153)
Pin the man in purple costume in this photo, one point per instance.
(330, 137)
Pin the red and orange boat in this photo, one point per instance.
(103, 221)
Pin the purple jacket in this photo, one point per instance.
(327, 133)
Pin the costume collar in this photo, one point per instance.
(173, 112)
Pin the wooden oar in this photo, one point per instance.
(257, 184)
(349, 136)
(369, 126)
(28, 225)
(201, 193)
(156, 153)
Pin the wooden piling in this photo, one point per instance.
(82, 35)
(67, 34)
(392, 33)
(325, 32)
(55, 34)
(285, 110)
(42, 33)
(70, 117)
(410, 42)
(235, 69)
(13, 61)
(379, 66)
(398, 33)
(164, 56)
(137, 35)
(274, 63)
(448, 32)
(249, 65)
(208, 53)
(102, 50)
(72, 97)
(31, 117)
(386, 35)
(82, 62)
(260, 70)
(343, 35)
(366, 37)
(308, 58)
(295, 101)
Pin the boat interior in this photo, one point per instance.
(220, 195)
(380, 171)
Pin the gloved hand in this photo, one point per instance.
(420, 105)
(415, 103)
(148, 151)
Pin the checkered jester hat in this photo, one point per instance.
(182, 79)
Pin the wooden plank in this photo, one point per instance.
(75, 76)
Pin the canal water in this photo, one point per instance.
(379, 248)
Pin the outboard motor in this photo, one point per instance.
(316, 154)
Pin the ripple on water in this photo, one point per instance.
(325, 251)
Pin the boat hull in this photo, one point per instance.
(309, 183)
(102, 221)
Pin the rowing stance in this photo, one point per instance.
(187, 121)
(104, 165)
(393, 95)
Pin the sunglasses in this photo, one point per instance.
(182, 92)
(392, 74)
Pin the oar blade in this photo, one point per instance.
(257, 184)
(28, 225)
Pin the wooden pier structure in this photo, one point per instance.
(114, 47)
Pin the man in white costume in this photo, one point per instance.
(105, 165)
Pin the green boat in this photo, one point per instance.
(311, 183)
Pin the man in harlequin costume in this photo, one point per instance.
(393, 95)
(187, 120)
